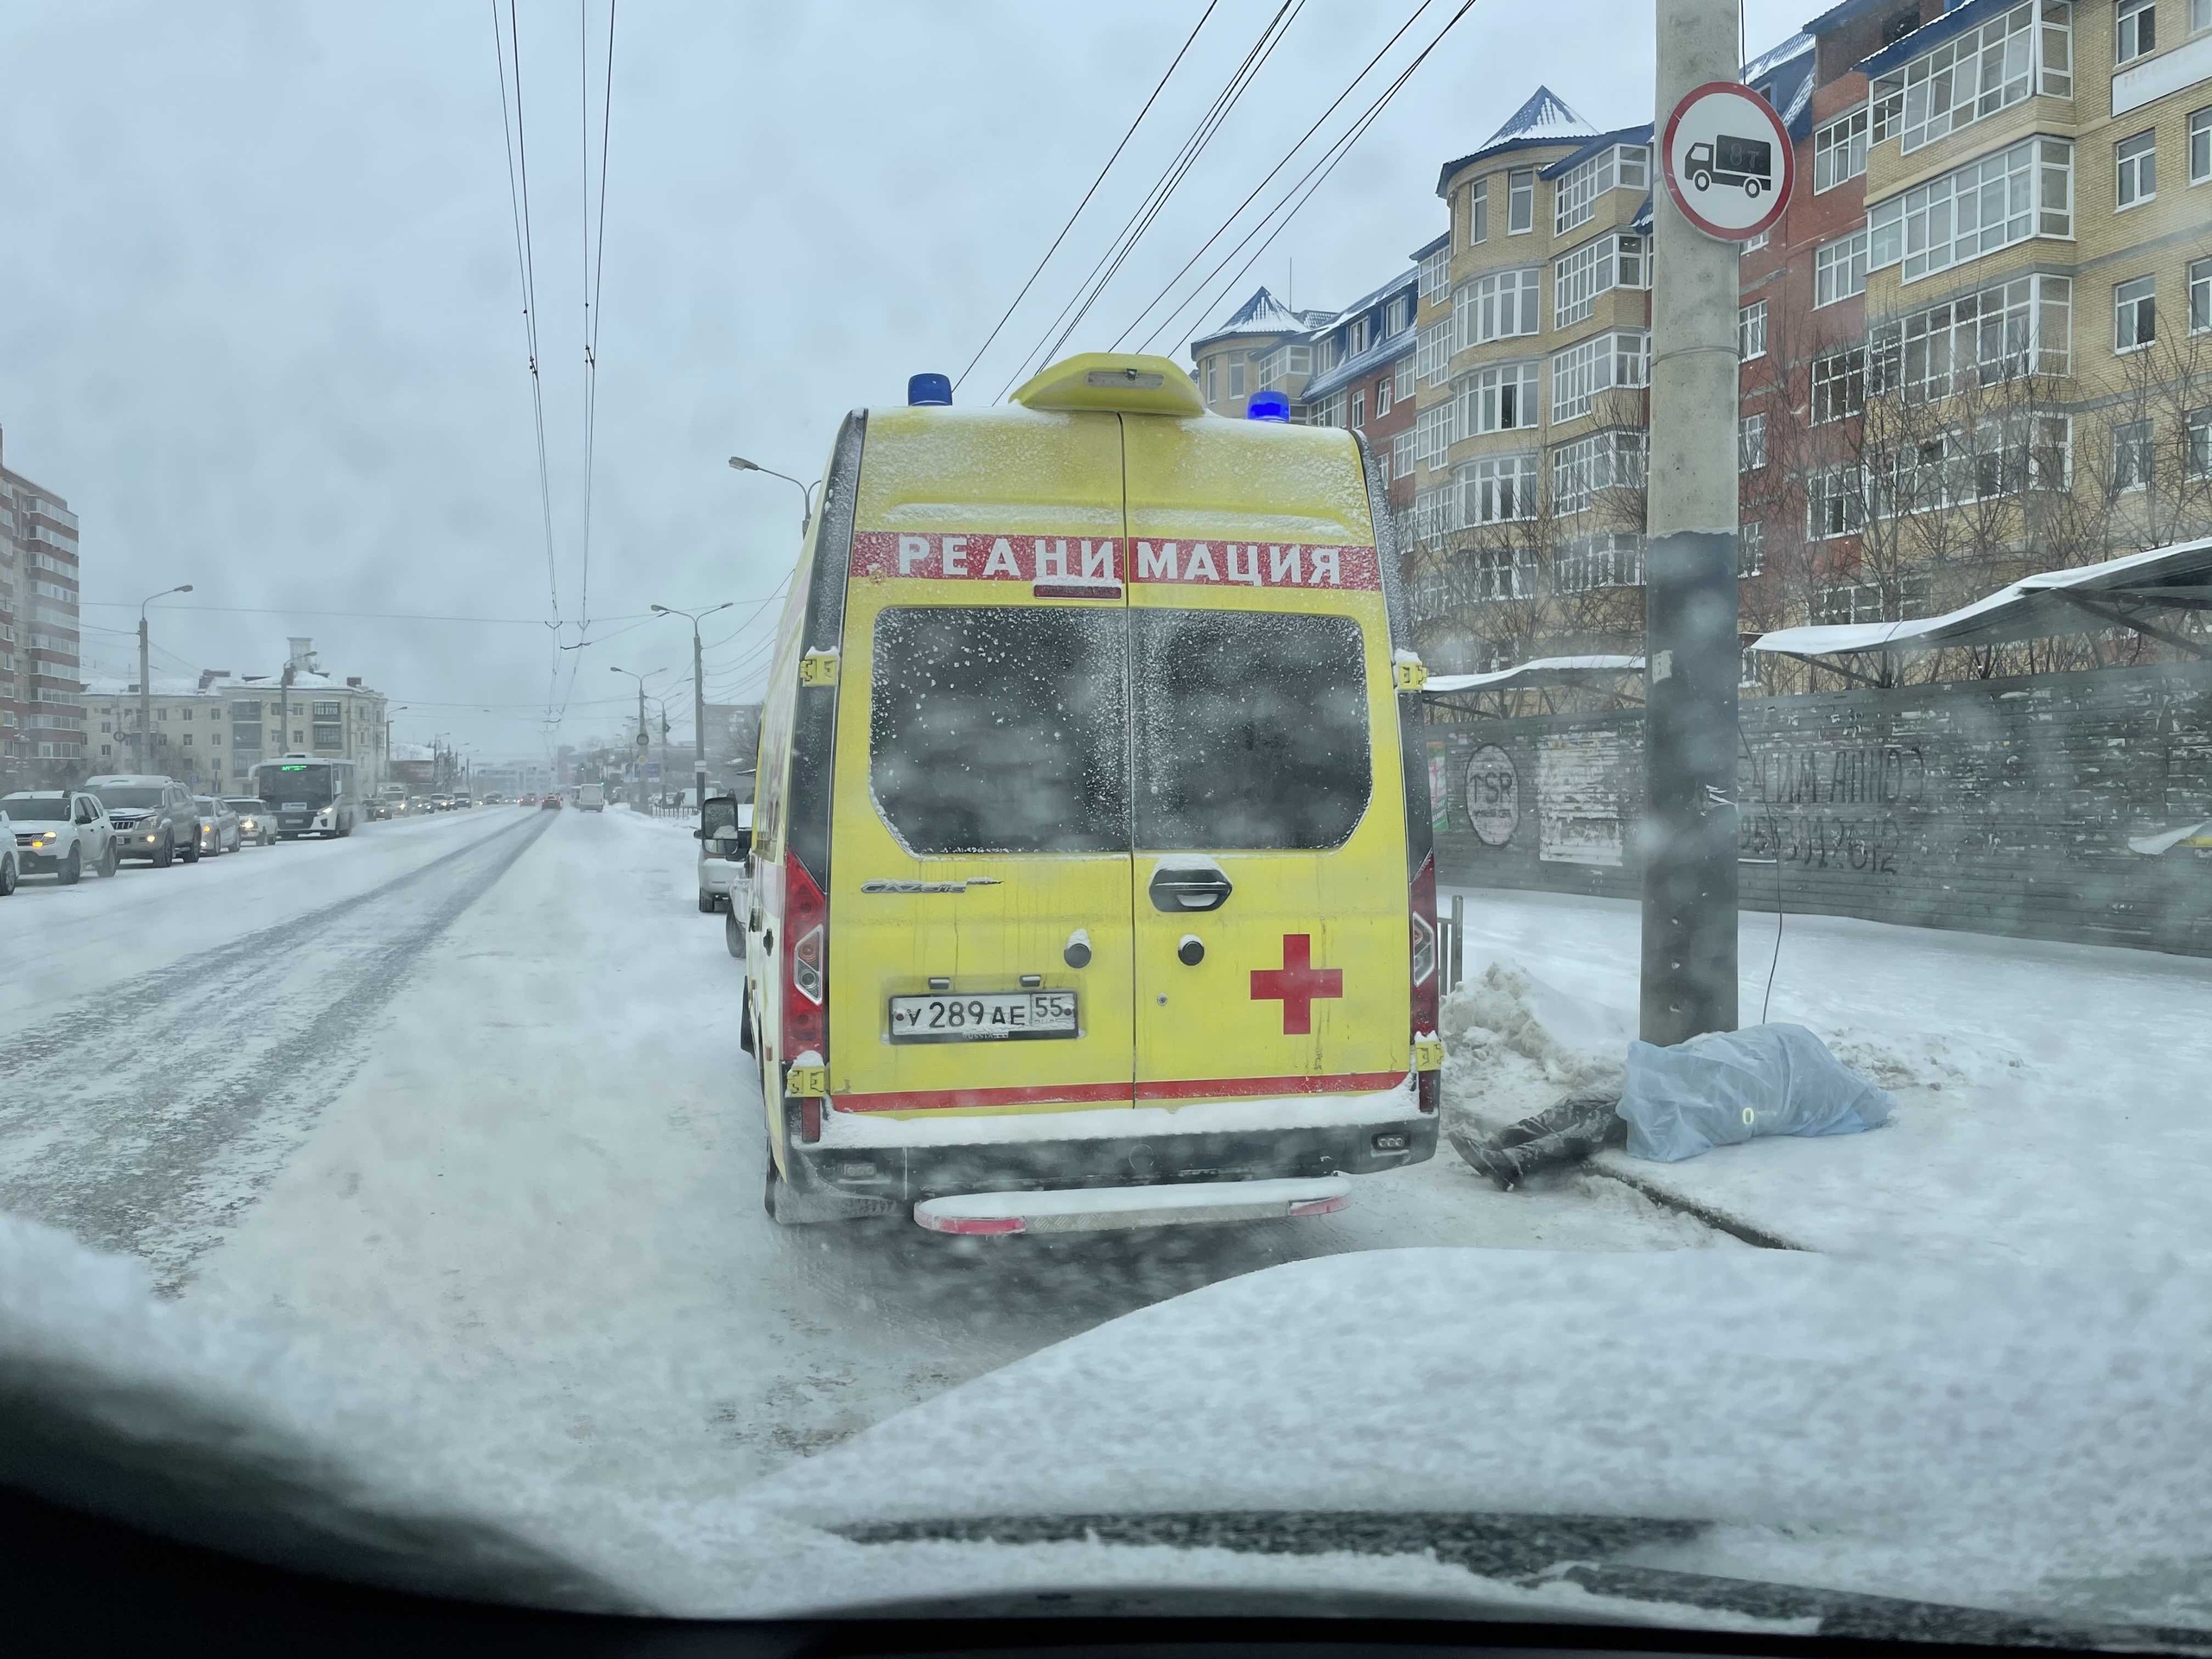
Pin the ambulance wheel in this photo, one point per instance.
(733, 935)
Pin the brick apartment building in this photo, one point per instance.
(41, 724)
(1978, 344)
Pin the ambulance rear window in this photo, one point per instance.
(1251, 729)
(1001, 728)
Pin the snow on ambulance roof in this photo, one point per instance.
(1960, 1432)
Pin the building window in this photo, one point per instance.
(1237, 374)
(1436, 429)
(1838, 384)
(1751, 442)
(2196, 445)
(2021, 327)
(2200, 145)
(1435, 273)
(1212, 390)
(1587, 563)
(1603, 363)
(2134, 29)
(1359, 408)
(1504, 573)
(1574, 198)
(1401, 455)
(2130, 456)
(1976, 73)
(1382, 398)
(1752, 245)
(1432, 352)
(1501, 305)
(2135, 165)
(1834, 502)
(1403, 381)
(1839, 269)
(1501, 489)
(1840, 150)
(1750, 548)
(1579, 277)
(1870, 601)
(1500, 399)
(2024, 191)
(2134, 313)
(1604, 461)
(1520, 200)
(1751, 331)
(2200, 295)
(1478, 212)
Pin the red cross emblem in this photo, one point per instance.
(1297, 983)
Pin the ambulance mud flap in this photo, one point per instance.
(1094, 1209)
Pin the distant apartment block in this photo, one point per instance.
(42, 722)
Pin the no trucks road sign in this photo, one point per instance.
(1727, 161)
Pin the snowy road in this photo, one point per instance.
(463, 1098)
(459, 1104)
(144, 1115)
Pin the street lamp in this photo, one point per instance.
(698, 692)
(637, 794)
(146, 685)
(739, 464)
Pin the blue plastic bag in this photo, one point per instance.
(1729, 1086)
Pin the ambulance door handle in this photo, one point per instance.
(1184, 889)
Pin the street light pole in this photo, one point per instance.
(1691, 645)
(145, 684)
(739, 464)
(698, 694)
(637, 788)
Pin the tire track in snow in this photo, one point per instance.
(149, 1118)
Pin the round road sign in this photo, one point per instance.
(1727, 161)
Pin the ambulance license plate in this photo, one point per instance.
(986, 1016)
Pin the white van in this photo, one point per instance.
(591, 798)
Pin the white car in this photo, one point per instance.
(62, 831)
(725, 834)
(8, 866)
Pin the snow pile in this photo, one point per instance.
(1513, 1044)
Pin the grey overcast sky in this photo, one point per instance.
(260, 318)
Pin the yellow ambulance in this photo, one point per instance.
(1093, 884)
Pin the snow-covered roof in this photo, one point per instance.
(222, 685)
(413, 752)
(1545, 118)
(1263, 314)
(1797, 44)
(1784, 78)
(1541, 671)
(2086, 599)
(1604, 141)
(1959, 19)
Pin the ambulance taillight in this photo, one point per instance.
(805, 950)
(1427, 1047)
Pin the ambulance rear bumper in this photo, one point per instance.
(872, 1164)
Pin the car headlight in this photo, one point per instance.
(149, 838)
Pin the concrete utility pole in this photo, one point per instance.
(699, 692)
(146, 684)
(1691, 647)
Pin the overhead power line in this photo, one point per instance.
(1179, 167)
(512, 130)
(1235, 213)
(1325, 165)
(1085, 202)
(594, 229)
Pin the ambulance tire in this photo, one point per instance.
(745, 1022)
(734, 933)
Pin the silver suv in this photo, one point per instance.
(154, 817)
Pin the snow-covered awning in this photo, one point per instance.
(1542, 671)
(2115, 593)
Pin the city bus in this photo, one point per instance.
(310, 795)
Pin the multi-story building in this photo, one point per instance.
(1226, 359)
(208, 734)
(42, 720)
(1356, 372)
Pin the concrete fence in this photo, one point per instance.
(2036, 806)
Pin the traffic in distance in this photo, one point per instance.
(153, 819)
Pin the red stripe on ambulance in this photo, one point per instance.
(1106, 561)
